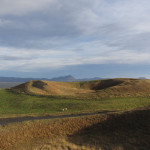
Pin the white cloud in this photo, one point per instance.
(33, 60)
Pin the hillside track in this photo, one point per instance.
(6, 121)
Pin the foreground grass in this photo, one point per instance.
(57, 143)
(14, 135)
(125, 131)
(13, 103)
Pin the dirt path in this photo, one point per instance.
(5, 121)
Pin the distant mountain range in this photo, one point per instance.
(68, 78)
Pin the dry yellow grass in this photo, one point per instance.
(50, 88)
(124, 131)
(59, 143)
(13, 135)
(88, 89)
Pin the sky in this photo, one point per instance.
(83, 38)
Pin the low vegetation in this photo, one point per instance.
(16, 104)
(15, 134)
(124, 131)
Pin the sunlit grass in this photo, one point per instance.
(13, 103)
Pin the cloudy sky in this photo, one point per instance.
(84, 38)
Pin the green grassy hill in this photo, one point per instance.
(88, 89)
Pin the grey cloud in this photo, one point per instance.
(15, 58)
(60, 20)
(84, 27)
(21, 7)
(138, 42)
(27, 31)
(133, 42)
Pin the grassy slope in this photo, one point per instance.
(14, 103)
(125, 131)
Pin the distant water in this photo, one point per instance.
(8, 84)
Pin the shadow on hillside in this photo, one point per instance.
(104, 84)
(128, 131)
(39, 84)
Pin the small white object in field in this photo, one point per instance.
(64, 109)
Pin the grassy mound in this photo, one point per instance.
(88, 89)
